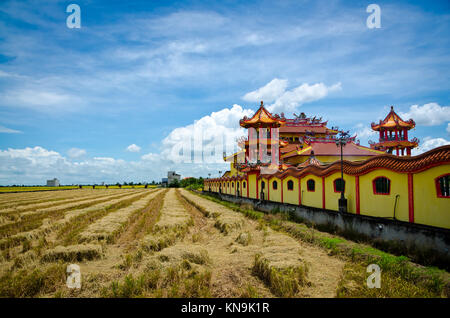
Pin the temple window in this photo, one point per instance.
(232, 184)
(275, 185)
(244, 184)
(339, 185)
(381, 185)
(290, 185)
(443, 186)
(263, 184)
(311, 185)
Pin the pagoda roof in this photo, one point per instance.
(393, 120)
(262, 118)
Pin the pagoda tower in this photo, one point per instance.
(262, 134)
(394, 135)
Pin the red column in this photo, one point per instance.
(357, 195)
(396, 148)
(381, 134)
(396, 134)
(247, 187)
(323, 193)
(408, 151)
(411, 197)
(406, 134)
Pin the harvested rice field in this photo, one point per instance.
(176, 243)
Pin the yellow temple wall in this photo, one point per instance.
(275, 195)
(313, 199)
(252, 186)
(290, 196)
(331, 197)
(428, 207)
(382, 205)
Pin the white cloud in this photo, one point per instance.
(151, 157)
(428, 144)
(364, 131)
(430, 114)
(42, 100)
(7, 130)
(76, 152)
(289, 100)
(210, 135)
(448, 128)
(219, 130)
(133, 148)
(269, 92)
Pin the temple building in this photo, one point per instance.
(394, 135)
(298, 162)
(298, 139)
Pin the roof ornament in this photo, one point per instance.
(301, 116)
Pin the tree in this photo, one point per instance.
(174, 184)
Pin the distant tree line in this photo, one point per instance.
(189, 183)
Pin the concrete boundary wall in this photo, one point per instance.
(409, 237)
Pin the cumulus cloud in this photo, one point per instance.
(428, 144)
(289, 100)
(269, 92)
(7, 130)
(76, 152)
(133, 148)
(364, 132)
(431, 114)
(448, 128)
(206, 138)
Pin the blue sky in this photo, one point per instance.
(147, 73)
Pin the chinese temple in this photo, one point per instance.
(298, 161)
(297, 140)
(394, 135)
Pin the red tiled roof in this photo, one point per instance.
(303, 129)
(329, 148)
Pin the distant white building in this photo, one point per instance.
(53, 183)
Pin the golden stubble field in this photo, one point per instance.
(159, 243)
